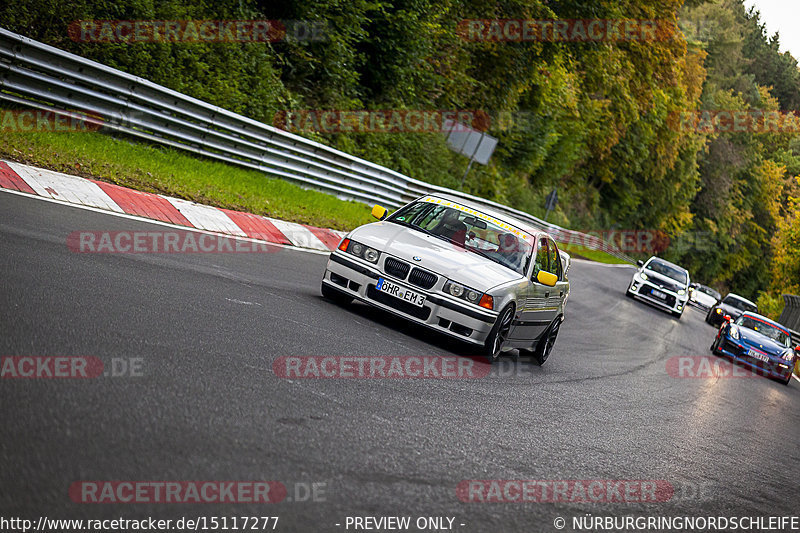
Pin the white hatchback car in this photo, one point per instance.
(661, 283)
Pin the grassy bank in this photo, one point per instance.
(174, 173)
(592, 255)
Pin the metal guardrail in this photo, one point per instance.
(40, 76)
(790, 317)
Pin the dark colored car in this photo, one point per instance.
(733, 306)
(759, 343)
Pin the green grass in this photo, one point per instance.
(593, 255)
(174, 173)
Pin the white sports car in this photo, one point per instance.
(703, 297)
(470, 273)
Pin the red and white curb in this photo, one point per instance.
(173, 211)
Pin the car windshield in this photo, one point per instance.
(738, 303)
(470, 230)
(670, 271)
(768, 330)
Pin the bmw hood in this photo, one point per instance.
(434, 254)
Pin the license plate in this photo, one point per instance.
(758, 355)
(658, 294)
(397, 291)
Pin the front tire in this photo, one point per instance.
(499, 334)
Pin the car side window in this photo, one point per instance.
(555, 260)
(542, 261)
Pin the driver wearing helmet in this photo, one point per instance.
(511, 251)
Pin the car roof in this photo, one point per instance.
(741, 298)
(762, 318)
(521, 224)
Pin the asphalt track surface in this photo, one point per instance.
(208, 327)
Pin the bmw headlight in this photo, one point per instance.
(359, 250)
(643, 276)
(371, 255)
(681, 292)
(734, 331)
(788, 355)
(718, 311)
(465, 293)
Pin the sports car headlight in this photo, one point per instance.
(788, 356)
(718, 311)
(460, 291)
(681, 292)
(360, 250)
(643, 275)
(734, 331)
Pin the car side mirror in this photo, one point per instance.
(640, 263)
(379, 212)
(546, 278)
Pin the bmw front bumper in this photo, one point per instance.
(440, 312)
